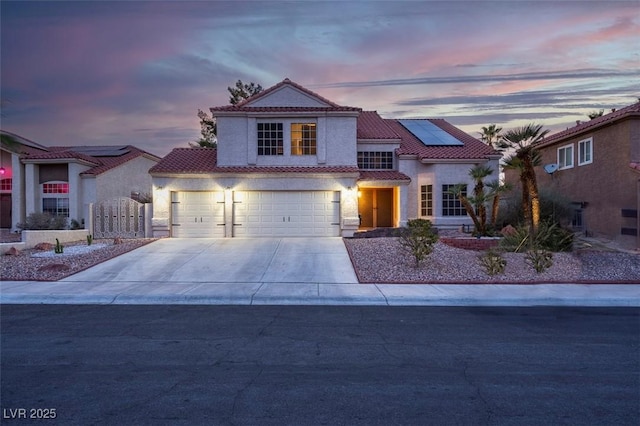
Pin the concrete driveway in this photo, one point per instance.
(229, 260)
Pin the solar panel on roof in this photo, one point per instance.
(430, 134)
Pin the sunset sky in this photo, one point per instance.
(118, 72)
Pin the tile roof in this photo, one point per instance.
(203, 161)
(372, 126)
(471, 150)
(26, 146)
(60, 154)
(368, 175)
(100, 164)
(245, 105)
(587, 126)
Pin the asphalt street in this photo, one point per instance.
(319, 365)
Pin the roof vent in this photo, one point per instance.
(578, 122)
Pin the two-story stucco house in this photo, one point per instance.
(596, 165)
(290, 162)
(63, 181)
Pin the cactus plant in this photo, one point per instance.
(59, 248)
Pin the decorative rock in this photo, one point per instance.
(44, 246)
(54, 267)
(117, 240)
(12, 252)
(508, 230)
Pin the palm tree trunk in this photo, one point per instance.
(530, 192)
(470, 211)
(494, 209)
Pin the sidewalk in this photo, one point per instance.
(270, 293)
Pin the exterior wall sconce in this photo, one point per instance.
(2, 170)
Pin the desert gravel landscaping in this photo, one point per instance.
(44, 265)
(376, 260)
(383, 260)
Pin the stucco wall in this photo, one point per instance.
(607, 185)
(133, 176)
(335, 143)
(437, 175)
(288, 96)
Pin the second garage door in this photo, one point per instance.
(286, 214)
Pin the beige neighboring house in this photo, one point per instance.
(65, 180)
(596, 165)
(290, 162)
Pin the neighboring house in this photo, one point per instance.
(65, 180)
(292, 163)
(596, 165)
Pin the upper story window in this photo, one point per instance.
(585, 152)
(375, 160)
(451, 205)
(303, 139)
(55, 198)
(565, 157)
(270, 139)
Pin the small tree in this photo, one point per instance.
(490, 134)
(476, 205)
(418, 239)
(243, 91)
(208, 126)
(595, 114)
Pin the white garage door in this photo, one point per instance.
(197, 214)
(286, 214)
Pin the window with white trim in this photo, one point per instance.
(374, 160)
(451, 205)
(270, 139)
(55, 198)
(426, 200)
(585, 152)
(565, 157)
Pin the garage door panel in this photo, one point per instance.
(197, 214)
(286, 213)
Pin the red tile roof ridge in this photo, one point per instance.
(244, 104)
(618, 114)
(283, 83)
(60, 155)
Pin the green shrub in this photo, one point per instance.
(540, 260)
(43, 221)
(554, 207)
(418, 238)
(89, 239)
(493, 262)
(74, 224)
(550, 237)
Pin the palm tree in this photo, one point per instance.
(490, 134)
(457, 191)
(496, 189)
(524, 159)
(478, 173)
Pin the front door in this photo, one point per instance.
(5, 210)
(375, 206)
